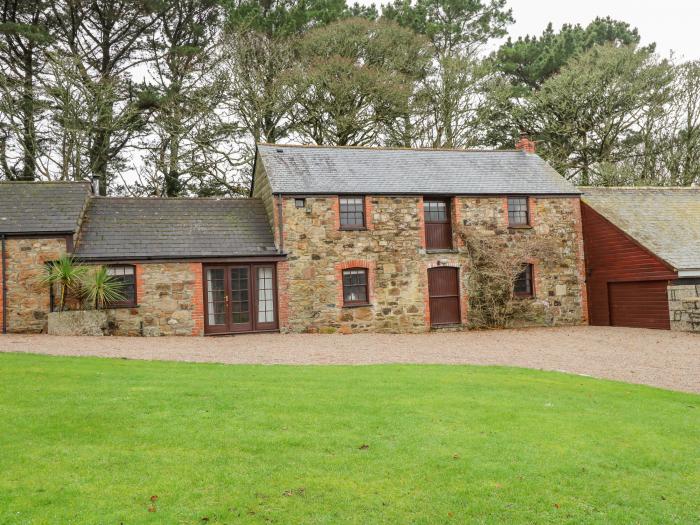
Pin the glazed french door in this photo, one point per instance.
(240, 298)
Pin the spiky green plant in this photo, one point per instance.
(99, 288)
(65, 273)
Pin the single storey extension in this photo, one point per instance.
(643, 256)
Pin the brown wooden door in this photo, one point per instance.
(443, 291)
(641, 304)
(438, 224)
(240, 298)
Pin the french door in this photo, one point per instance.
(239, 298)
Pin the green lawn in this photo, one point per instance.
(86, 440)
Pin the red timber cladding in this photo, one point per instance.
(613, 257)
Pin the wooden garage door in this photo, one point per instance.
(641, 304)
(443, 289)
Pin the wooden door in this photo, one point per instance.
(240, 298)
(640, 304)
(443, 292)
(438, 224)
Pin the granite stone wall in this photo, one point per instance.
(169, 300)
(684, 305)
(27, 301)
(392, 249)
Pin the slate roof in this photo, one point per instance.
(664, 220)
(41, 207)
(124, 228)
(319, 169)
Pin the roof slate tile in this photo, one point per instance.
(41, 207)
(122, 228)
(319, 169)
(664, 220)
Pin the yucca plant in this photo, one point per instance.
(66, 274)
(99, 288)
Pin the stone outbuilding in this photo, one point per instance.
(373, 236)
(172, 256)
(332, 239)
(643, 256)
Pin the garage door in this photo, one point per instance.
(642, 304)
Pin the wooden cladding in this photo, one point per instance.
(443, 292)
(438, 224)
(617, 268)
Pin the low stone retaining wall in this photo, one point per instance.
(78, 322)
(684, 306)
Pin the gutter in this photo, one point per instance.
(4, 288)
(689, 274)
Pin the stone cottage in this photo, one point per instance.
(331, 239)
(372, 235)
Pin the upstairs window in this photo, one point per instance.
(355, 289)
(523, 284)
(352, 213)
(518, 211)
(438, 226)
(127, 276)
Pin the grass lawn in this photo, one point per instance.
(85, 440)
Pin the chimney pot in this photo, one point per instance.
(525, 144)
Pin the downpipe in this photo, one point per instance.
(4, 287)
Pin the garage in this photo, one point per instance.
(642, 250)
(640, 304)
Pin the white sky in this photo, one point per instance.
(673, 24)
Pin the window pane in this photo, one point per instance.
(124, 275)
(266, 310)
(352, 212)
(355, 285)
(240, 305)
(435, 211)
(216, 307)
(523, 284)
(518, 210)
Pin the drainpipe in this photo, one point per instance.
(4, 288)
(280, 226)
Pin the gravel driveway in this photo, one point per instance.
(653, 357)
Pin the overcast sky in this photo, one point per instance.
(672, 24)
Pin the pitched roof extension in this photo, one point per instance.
(319, 169)
(149, 228)
(41, 207)
(666, 221)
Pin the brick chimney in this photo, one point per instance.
(525, 144)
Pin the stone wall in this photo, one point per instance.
(393, 251)
(169, 299)
(28, 302)
(684, 305)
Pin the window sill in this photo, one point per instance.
(122, 306)
(441, 250)
(520, 227)
(352, 229)
(358, 305)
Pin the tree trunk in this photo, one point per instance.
(28, 126)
